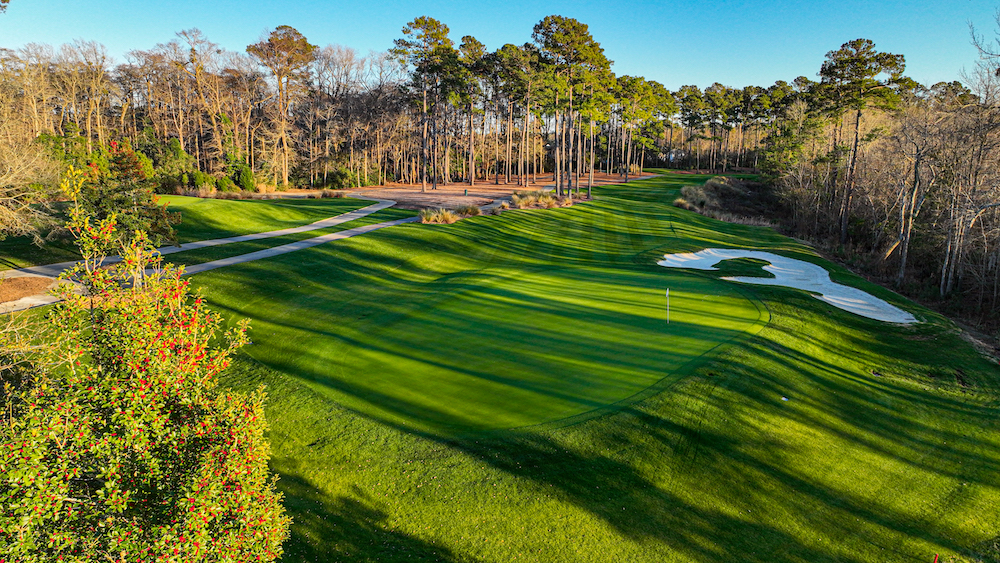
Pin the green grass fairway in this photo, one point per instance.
(210, 253)
(507, 389)
(201, 219)
(460, 351)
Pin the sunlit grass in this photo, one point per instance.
(201, 219)
(207, 254)
(204, 219)
(507, 389)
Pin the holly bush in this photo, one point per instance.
(115, 444)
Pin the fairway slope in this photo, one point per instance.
(507, 389)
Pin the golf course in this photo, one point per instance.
(425, 282)
(509, 388)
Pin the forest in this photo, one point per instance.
(895, 178)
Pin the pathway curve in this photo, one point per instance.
(54, 270)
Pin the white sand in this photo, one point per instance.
(796, 274)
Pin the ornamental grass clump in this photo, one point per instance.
(115, 444)
(468, 211)
(441, 216)
(539, 199)
(524, 200)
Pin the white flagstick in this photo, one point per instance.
(668, 305)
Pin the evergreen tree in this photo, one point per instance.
(850, 81)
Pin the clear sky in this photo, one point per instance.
(735, 42)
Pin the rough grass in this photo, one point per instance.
(732, 199)
(397, 364)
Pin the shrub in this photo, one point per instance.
(332, 193)
(244, 178)
(225, 184)
(116, 446)
(202, 180)
(126, 193)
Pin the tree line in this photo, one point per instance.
(287, 112)
(895, 175)
(896, 178)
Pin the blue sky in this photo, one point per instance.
(735, 42)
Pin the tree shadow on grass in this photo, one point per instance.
(739, 467)
(646, 510)
(347, 528)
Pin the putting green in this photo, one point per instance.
(500, 348)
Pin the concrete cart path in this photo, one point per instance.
(293, 246)
(54, 270)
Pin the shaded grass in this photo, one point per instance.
(397, 363)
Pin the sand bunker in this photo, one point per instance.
(796, 274)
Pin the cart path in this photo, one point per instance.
(54, 270)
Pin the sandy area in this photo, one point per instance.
(453, 195)
(796, 274)
(12, 289)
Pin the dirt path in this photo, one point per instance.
(452, 195)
